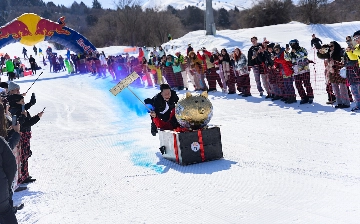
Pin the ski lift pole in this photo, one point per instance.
(34, 82)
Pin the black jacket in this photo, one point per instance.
(25, 121)
(252, 52)
(159, 104)
(316, 42)
(7, 170)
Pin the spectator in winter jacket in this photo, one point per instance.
(20, 109)
(337, 82)
(298, 57)
(24, 53)
(225, 71)
(10, 69)
(242, 73)
(11, 133)
(255, 64)
(185, 73)
(283, 68)
(161, 52)
(324, 54)
(35, 50)
(32, 64)
(189, 49)
(196, 70)
(316, 42)
(7, 175)
(68, 53)
(146, 53)
(353, 71)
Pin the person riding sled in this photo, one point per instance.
(162, 103)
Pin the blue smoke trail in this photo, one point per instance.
(141, 159)
(125, 98)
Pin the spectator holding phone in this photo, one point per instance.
(19, 108)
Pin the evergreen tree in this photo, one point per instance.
(46, 14)
(3, 5)
(50, 5)
(195, 16)
(223, 18)
(96, 4)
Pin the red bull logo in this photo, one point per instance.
(48, 28)
(16, 29)
(30, 29)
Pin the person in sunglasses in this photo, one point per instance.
(353, 72)
(298, 57)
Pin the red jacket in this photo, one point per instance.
(286, 65)
(203, 58)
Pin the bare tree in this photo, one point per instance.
(310, 10)
(129, 19)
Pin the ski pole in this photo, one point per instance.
(34, 82)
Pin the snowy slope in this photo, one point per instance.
(96, 162)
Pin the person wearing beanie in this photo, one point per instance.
(16, 102)
(13, 88)
(298, 57)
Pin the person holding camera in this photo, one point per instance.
(255, 64)
(20, 109)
